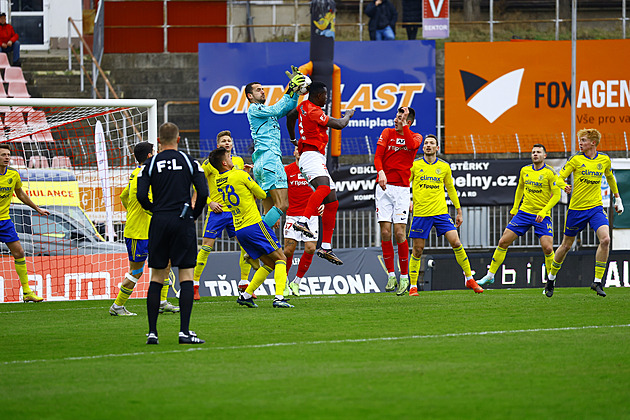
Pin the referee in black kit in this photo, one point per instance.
(172, 234)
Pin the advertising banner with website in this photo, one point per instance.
(377, 78)
(506, 96)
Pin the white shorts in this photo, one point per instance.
(290, 233)
(313, 165)
(392, 205)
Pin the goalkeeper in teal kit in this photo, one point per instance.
(263, 123)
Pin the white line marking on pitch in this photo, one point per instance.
(349, 340)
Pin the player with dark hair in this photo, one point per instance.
(240, 193)
(172, 236)
(10, 183)
(314, 123)
(430, 176)
(267, 156)
(585, 206)
(395, 151)
(219, 217)
(137, 240)
(538, 190)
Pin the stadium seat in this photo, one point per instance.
(14, 74)
(3, 93)
(4, 109)
(36, 120)
(4, 61)
(14, 120)
(38, 162)
(44, 135)
(61, 162)
(17, 162)
(18, 90)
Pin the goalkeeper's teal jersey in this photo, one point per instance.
(263, 123)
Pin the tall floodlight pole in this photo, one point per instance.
(573, 71)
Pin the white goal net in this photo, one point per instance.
(74, 157)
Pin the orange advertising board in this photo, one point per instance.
(510, 94)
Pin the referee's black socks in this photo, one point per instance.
(153, 305)
(186, 293)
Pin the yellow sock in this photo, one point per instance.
(600, 268)
(164, 293)
(549, 261)
(497, 259)
(280, 276)
(259, 277)
(20, 268)
(414, 269)
(245, 267)
(123, 295)
(555, 267)
(202, 258)
(462, 260)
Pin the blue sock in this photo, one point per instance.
(272, 216)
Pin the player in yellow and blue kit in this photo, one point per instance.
(267, 156)
(220, 218)
(239, 193)
(429, 177)
(585, 206)
(539, 188)
(137, 240)
(11, 182)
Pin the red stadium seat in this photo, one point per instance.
(38, 162)
(61, 162)
(3, 94)
(17, 162)
(4, 61)
(36, 120)
(44, 135)
(14, 120)
(18, 90)
(14, 74)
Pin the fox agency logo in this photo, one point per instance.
(492, 99)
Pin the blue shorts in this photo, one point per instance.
(522, 221)
(257, 240)
(577, 219)
(7, 232)
(269, 172)
(137, 249)
(421, 226)
(216, 222)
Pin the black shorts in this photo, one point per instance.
(174, 239)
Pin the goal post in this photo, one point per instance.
(74, 157)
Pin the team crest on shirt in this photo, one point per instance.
(10, 181)
(540, 177)
(438, 171)
(599, 166)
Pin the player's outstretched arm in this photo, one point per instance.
(292, 117)
(24, 198)
(339, 123)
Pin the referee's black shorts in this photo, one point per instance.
(174, 239)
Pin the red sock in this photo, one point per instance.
(315, 200)
(403, 257)
(388, 255)
(305, 263)
(328, 221)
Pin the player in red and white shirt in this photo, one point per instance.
(395, 152)
(313, 124)
(299, 193)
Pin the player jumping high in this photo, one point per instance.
(585, 206)
(314, 125)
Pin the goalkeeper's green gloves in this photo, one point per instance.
(295, 83)
(294, 72)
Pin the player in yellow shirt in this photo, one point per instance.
(429, 177)
(11, 182)
(137, 240)
(539, 189)
(239, 192)
(220, 218)
(585, 206)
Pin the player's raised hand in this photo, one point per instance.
(43, 212)
(248, 168)
(405, 114)
(349, 113)
(294, 72)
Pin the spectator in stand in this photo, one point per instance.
(9, 40)
(383, 16)
(412, 12)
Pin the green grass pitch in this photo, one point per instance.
(502, 354)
